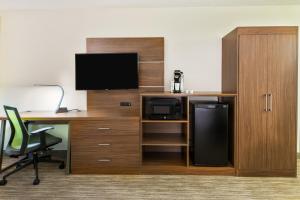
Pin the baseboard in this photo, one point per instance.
(269, 173)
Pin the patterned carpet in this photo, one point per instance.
(56, 185)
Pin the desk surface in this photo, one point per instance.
(69, 116)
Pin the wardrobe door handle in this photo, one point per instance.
(104, 160)
(103, 128)
(266, 102)
(271, 102)
(104, 144)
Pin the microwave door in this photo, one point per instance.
(161, 110)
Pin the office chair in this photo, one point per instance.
(34, 145)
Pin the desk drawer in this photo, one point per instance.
(94, 163)
(116, 160)
(106, 145)
(105, 127)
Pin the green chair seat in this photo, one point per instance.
(33, 144)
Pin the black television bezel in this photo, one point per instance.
(137, 61)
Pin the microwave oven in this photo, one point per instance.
(163, 109)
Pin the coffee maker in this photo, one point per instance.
(177, 83)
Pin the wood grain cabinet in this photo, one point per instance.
(260, 65)
(107, 146)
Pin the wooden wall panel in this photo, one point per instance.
(109, 102)
(149, 49)
(151, 72)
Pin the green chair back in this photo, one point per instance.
(19, 134)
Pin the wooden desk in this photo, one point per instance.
(69, 118)
(107, 143)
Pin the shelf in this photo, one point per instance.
(175, 162)
(164, 139)
(196, 93)
(170, 163)
(164, 121)
(158, 159)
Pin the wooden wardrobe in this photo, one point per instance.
(260, 65)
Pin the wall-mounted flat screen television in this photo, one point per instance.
(111, 71)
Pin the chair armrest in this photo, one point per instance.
(39, 131)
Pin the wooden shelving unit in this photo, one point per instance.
(164, 139)
(165, 144)
(174, 162)
(163, 159)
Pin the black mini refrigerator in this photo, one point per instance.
(210, 134)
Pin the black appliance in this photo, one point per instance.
(100, 71)
(177, 86)
(163, 109)
(210, 134)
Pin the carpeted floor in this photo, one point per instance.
(56, 185)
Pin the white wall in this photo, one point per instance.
(39, 46)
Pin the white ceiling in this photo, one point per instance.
(59, 4)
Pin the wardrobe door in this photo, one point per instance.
(252, 122)
(282, 87)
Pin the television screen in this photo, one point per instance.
(106, 71)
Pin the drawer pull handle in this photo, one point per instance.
(103, 128)
(104, 160)
(103, 144)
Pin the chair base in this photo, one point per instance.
(62, 165)
(34, 159)
(3, 182)
(36, 181)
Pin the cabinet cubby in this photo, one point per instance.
(166, 144)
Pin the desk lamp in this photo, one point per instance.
(59, 109)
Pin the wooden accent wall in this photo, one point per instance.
(151, 72)
(150, 51)
(109, 102)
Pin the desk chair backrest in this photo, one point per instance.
(19, 134)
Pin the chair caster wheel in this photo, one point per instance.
(3, 182)
(62, 165)
(36, 181)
